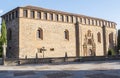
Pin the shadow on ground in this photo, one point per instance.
(61, 74)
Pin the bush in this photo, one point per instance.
(111, 52)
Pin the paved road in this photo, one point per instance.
(101, 69)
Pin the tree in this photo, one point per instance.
(4, 40)
(3, 33)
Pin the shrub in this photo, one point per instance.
(111, 52)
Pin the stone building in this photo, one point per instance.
(49, 33)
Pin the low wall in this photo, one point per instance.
(15, 61)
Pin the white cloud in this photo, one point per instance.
(1, 11)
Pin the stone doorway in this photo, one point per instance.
(89, 47)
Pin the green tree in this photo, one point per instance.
(3, 40)
(3, 33)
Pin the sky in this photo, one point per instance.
(105, 9)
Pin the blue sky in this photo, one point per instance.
(106, 9)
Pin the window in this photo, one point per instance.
(99, 37)
(9, 33)
(61, 18)
(56, 17)
(9, 17)
(40, 33)
(25, 13)
(93, 22)
(13, 15)
(16, 14)
(67, 19)
(66, 32)
(51, 16)
(84, 20)
(6, 18)
(39, 15)
(88, 21)
(32, 14)
(45, 16)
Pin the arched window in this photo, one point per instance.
(111, 38)
(99, 37)
(40, 33)
(9, 33)
(66, 32)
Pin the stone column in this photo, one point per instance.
(4, 53)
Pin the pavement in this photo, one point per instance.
(100, 69)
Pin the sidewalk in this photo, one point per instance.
(101, 69)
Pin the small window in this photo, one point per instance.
(40, 33)
(84, 20)
(93, 22)
(16, 14)
(9, 17)
(61, 18)
(56, 17)
(32, 14)
(88, 21)
(80, 20)
(66, 32)
(25, 13)
(51, 49)
(39, 15)
(13, 15)
(51, 16)
(67, 19)
(6, 18)
(99, 37)
(45, 16)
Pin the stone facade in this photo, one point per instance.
(86, 36)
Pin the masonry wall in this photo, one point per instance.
(13, 44)
(94, 30)
(53, 37)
